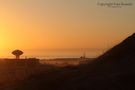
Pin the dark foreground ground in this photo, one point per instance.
(76, 78)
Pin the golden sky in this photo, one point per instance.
(63, 24)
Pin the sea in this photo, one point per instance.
(58, 53)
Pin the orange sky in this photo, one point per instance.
(62, 24)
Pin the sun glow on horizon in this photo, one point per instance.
(43, 24)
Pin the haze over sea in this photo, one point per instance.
(57, 53)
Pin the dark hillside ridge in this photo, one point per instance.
(122, 54)
(125, 49)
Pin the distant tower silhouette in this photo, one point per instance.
(83, 56)
(17, 53)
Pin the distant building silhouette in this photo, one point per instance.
(17, 53)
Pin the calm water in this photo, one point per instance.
(63, 53)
